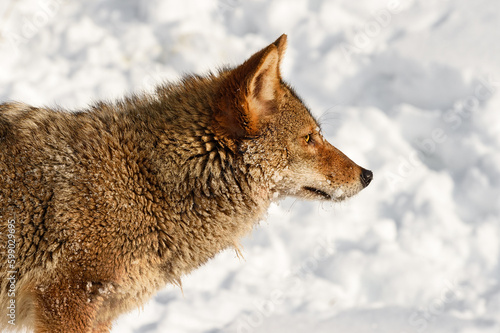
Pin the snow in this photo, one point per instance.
(408, 89)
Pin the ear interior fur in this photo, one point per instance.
(263, 86)
(250, 92)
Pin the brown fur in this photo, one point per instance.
(112, 203)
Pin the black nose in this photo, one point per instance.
(366, 177)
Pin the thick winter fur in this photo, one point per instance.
(100, 209)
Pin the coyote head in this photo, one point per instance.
(261, 116)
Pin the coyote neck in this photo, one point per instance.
(209, 200)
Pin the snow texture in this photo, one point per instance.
(409, 89)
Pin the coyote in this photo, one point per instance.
(101, 208)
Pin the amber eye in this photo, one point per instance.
(307, 138)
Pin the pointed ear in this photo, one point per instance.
(250, 93)
(264, 83)
(281, 44)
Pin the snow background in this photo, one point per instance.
(408, 89)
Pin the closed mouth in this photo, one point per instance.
(317, 192)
